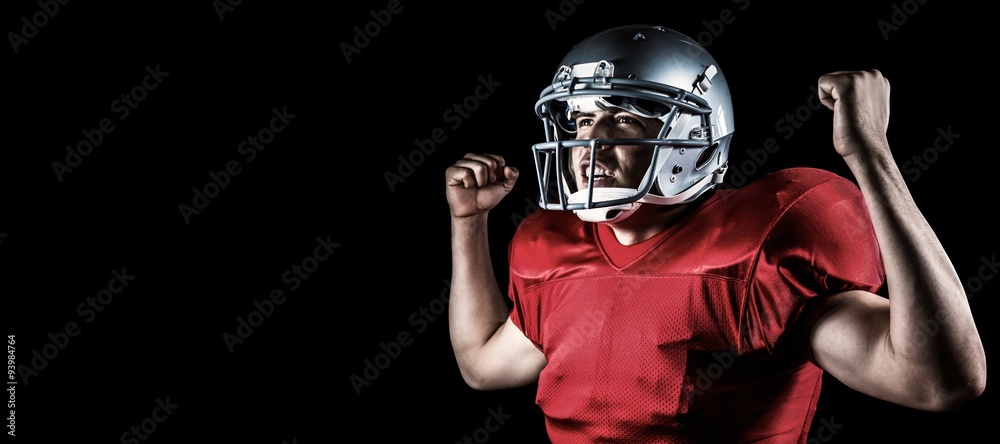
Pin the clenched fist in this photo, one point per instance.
(476, 183)
(860, 104)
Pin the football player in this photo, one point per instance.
(651, 304)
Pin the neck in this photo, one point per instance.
(648, 221)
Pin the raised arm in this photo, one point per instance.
(920, 348)
(491, 352)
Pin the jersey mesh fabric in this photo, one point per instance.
(685, 342)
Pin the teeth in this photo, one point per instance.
(597, 172)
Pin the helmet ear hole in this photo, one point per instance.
(706, 156)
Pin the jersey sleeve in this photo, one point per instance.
(822, 242)
(513, 293)
(545, 247)
(522, 308)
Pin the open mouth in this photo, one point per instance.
(602, 175)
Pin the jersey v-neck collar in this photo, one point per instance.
(620, 256)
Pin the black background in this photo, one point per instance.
(324, 175)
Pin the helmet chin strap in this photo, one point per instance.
(612, 213)
(617, 213)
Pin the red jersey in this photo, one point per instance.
(680, 338)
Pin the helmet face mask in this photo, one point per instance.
(651, 72)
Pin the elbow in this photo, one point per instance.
(486, 378)
(477, 385)
(965, 394)
(970, 386)
(472, 375)
(471, 380)
(953, 399)
(959, 392)
(475, 380)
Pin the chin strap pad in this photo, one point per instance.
(612, 213)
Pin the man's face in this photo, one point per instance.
(616, 166)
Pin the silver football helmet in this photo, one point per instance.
(651, 71)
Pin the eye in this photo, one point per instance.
(584, 121)
(626, 119)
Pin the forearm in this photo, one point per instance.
(931, 333)
(476, 306)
